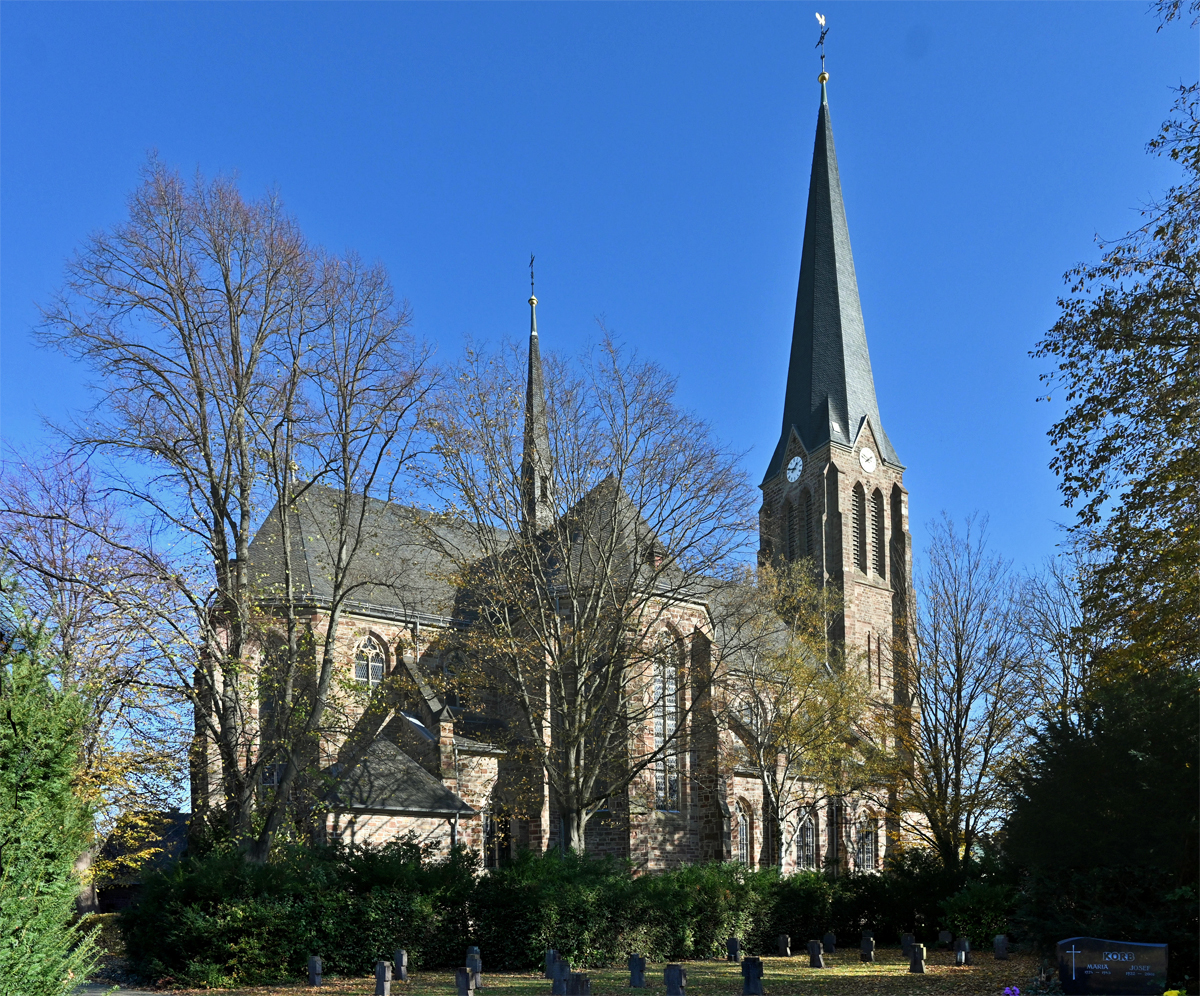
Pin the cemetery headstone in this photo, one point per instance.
(400, 965)
(916, 960)
(314, 970)
(464, 979)
(1092, 965)
(945, 937)
(752, 975)
(383, 978)
(675, 976)
(906, 943)
(475, 964)
(579, 984)
(867, 950)
(814, 955)
(829, 942)
(962, 951)
(1000, 944)
(551, 958)
(785, 946)
(637, 972)
(733, 950)
(560, 973)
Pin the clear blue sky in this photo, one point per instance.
(656, 159)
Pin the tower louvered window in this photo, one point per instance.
(793, 535)
(810, 546)
(877, 533)
(857, 502)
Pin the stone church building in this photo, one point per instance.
(833, 491)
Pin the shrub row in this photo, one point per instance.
(215, 920)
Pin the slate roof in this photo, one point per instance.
(830, 388)
(388, 782)
(400, 569)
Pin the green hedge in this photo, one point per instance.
(214, 920)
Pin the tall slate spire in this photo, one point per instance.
(830, 389)
(537, 508)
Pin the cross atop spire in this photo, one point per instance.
(830, 387)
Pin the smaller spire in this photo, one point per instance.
(536, 472)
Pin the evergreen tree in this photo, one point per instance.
(44, 826)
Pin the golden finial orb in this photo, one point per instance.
(824, 77)
(532, 300)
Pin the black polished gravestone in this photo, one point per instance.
(1096, 967)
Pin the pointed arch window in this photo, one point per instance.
(743, 824)
(369, 662)
(806, 842)
(877, 541)
(810, 546)
(859, 515)
(793, 534)
(666, 718)
(864, 850)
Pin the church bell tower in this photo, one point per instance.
(834, 489)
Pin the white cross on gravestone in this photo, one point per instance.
(1073, 952)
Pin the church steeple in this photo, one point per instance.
(830, 389)
(537, 508)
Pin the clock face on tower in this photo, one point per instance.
(866, 460)
(795, 468)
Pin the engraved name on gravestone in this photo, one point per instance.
(1092, 966)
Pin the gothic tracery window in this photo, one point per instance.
(743, 824)
(369, 662)
(864, 851)
(806, 843)
(666, 717)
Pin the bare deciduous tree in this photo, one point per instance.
(802, 717)
(587, 590)
(237, 367)
(968, 682)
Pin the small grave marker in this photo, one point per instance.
(637, 972)
(464, 979)
(829, 943)
(916, 961)
(962, 951)
(785, 945)
(383, 978)
(906, 943)
(1000, 944)
(945, 937)
(475, 964)
(579, 984)
(1092, 966)
(314, 970)
(867, 950)
(814, 955)
(551, 958)
(752, 975)
(733, 950)
(400, 964)
(675, 976)
(560, 973)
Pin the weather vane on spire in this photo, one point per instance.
(821, 45)
(531, 274)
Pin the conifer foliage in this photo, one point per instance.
(44, 826)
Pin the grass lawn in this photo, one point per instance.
(844, 975)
